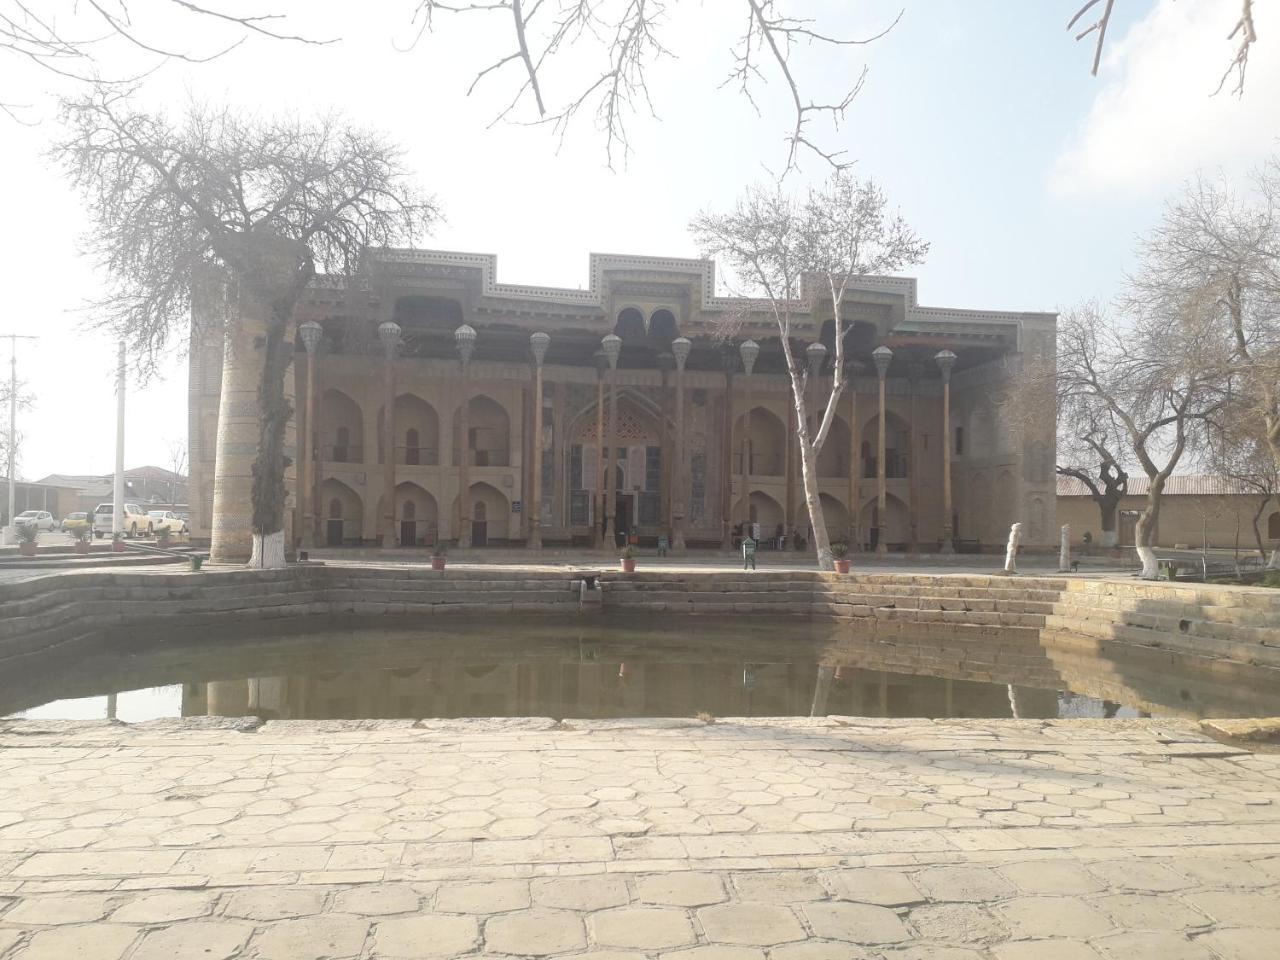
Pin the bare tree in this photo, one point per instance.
(1090, 445)
(1237, 453)
(1159, 375)
(1216, 244)
(625, 38)
(25, 400)
(177, 466)
(780, 247)
(1243, 31)
(69, 38)
(269, 203)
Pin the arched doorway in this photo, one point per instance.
(343, 513)
(836, 518)
(897, 523)
(489, 433)
(417, 431)
(415, 515)
(833, 461)
(897, 443)
(340, 428)
(490, 515)
(768, 444)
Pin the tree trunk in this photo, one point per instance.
(1109, 507)
(809, 478)
(269, 468)
(1145, 531)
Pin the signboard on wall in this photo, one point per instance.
(516, 506)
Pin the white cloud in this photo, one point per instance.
(1155, 119)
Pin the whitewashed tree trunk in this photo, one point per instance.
(268, 551)
(1064, 549)
(809, 476)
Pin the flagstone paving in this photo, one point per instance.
(826, 839)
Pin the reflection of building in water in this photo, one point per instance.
(605, 689)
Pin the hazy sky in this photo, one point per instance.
(979, 117)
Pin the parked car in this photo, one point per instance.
(133, 522)
(167, 518)
(40, 519)
(72, 520)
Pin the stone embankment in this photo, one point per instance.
(1232, 623)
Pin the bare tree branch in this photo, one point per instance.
(626, 34)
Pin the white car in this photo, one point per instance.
(134, 522)
(40, 519)
(167, 518)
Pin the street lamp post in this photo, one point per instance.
(945, 360)
(117, 486)
(612, 347)
(538, 343)
(882, 356)
(748, 350)
(680, 348)
(389, 334)
(310, 332)
(465, 338)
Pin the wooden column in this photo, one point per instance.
(465, 337)
(538, 343)
(882, 356)
(389, 334)
(946, 360)
(598, 515)
(612, 345)
(726, 462)
(680, 348)
(665, 364)
(913, 460)
(310, 332)
(855, 514)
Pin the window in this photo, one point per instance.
(1273, 526)
(698, 484)
(653, 469)
(959, 441)
(575, 467)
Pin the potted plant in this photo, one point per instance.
(164, 536)
(439, 556)
(80, 531)
(628, 559)
(117, 542)
(840, 551)
(28, 534)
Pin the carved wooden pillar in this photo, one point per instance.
(726, 458)
(389, 334)
(914, 371)
(465, 337)
(311, 332)
(882, 356)
(946, 360)
(680, 348)
(612, 346)
(538, 342)
(853, 368)
(598, 515)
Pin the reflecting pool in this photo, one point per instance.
(604, 666)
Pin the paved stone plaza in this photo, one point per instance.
(736, 840)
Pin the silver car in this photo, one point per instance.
(40, 519)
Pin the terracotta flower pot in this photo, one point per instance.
(437, 563)
(628, 566)
(842, 566)
(27, 549)
(117, 546)
(81, 546)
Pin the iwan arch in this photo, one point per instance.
(693, 448)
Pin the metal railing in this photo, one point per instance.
(418, 456)
(342, 453)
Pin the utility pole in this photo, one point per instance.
(117, 488)
(13, 339)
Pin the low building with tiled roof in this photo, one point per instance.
(1195, 508)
